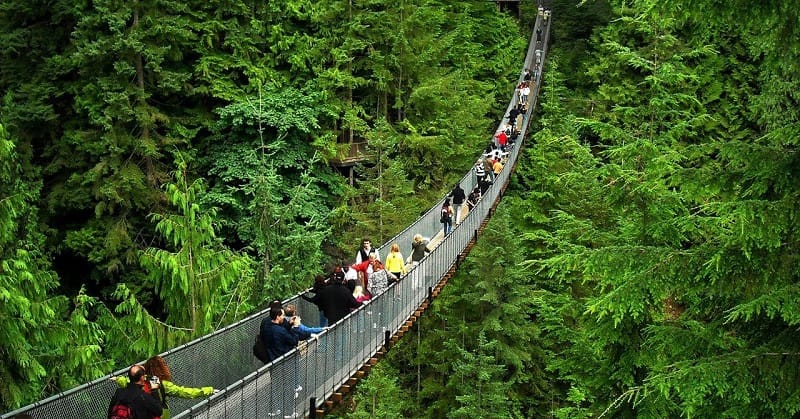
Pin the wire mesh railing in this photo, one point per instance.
(301, 380)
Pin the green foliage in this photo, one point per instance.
(134, 334)
(478, 369)
(657, 211)
(44, 342)
(380, 395)
(271, 182)
(661, 226)
(442, 64)
(478, 351)
(571, 30)
(101, 96)
(123, 119)
(194, 269)
(25, 281)
(394, 203)
(82, 342)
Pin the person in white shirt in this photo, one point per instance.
(366, 248)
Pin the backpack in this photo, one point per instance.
(445, 216)
(121, 411)
(259, 350)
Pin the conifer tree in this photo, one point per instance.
(25, 281)
(479, 350)
(268, 175)
(380, 395)
(671, 254)
(193, 273)
(46, 341)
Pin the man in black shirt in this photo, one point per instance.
(458, 197)
(335, 301)
(142, 405)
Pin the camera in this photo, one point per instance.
(154, 381)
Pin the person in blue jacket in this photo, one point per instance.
(277, 339)
(302, 331)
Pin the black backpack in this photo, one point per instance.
(259, 350)
(445, 216)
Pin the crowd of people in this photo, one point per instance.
(489, 166)
(350, 285)
(143, 392)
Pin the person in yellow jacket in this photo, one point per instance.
(157, 367)
(497, 167)
(395, 263)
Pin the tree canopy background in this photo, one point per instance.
(643, 262)
(164, 166)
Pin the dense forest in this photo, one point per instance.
(167, 165)
(643, 261)
(166, 168)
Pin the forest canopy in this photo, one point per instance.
(169, 166)
(166, 166)
(643, 261)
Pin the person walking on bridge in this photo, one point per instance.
(335, 300)
(474, 197)
(395, 263)
(458, 196)
(419, 248)
(132, 399)
(479, 170)
(447, 217)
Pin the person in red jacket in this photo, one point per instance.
(502, 139)
(364, 269)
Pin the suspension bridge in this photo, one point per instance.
(310, 380)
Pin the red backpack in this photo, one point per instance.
(121, 411)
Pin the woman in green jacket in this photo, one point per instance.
(157, 367)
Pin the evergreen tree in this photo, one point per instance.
(668, 249)
(111, 156)
(268, 174)
(25, 281)
(194, 273)
(479, 350)
(45, 340)
(380, 395)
